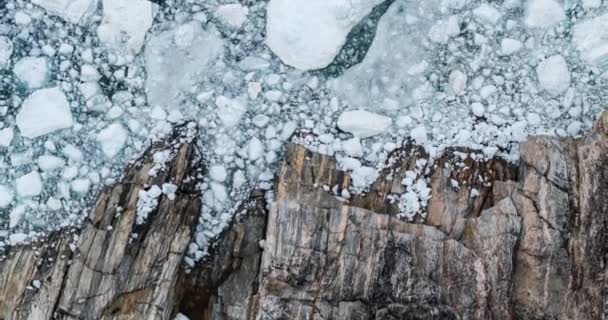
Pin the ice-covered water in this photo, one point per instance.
(86, 85)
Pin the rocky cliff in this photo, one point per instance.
(503, 242)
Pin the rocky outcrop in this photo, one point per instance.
(498, 242)
(115, 268)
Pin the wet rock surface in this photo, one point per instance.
(530, 243)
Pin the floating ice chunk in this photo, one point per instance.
(6, 196)
(6, 50)
(419, 135)
(230, 111)
(544, 13)
(553, 75)
(6, 137)
(383, 73)
(89, 73)
(50, 163)
(255, 149)
(308, 34)
(29, 185)
(22, 18)
(124, 26)
(233, 15)
(457, 82)
(478, 109)
(169, 189)
(486, 13)
(218, 173)
(443, 30)
(363, 124)
(592, 4)
(510, 46)
(112, 139)
(80, 186)
(353, 147)
(591, 39)
(43, 112)
(73, 11)
(34, 71)
(176, 59)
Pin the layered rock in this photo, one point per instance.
(529, 243)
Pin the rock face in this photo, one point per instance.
(507, 243)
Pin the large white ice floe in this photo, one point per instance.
(591, 39)
(308, 34)
(363, 124)
(74, 11)
(176, 59)
(29, 185)
(124, 26)
(43, 112)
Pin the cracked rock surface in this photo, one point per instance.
(531, 244)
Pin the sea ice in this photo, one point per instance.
(43, 112)
(112, 139)
(591, 39)
(73, 11)
(29, 185)
(6, 196)
(544, 13)
(233, 15)
(34, 71)
(308, 34)
(363, 124)
(6, 50)
(124, 26)
(554, 75)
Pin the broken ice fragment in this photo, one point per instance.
(233, 15)
(544, 13)
(29, 185)
(73, 11)
(591, 39)
(6, 196)
(6, 50)
(308, 34)
(553, 75)
(124, 26)
(363, 124)
(34, 71)
(112, 139)
(43, 112)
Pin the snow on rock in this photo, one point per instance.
(544, 13)
(591, 39)
(6, 137)
(124, 26)
(6, 196)
(147, 201)
(308, 34)
(6, 50)
(457, 82)
(43, 112)
(74, 11)
(175, 59)
(34, 71)
(29, 185)
(233, 15)
(554, 75)
(112, 139)
(363, 124)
